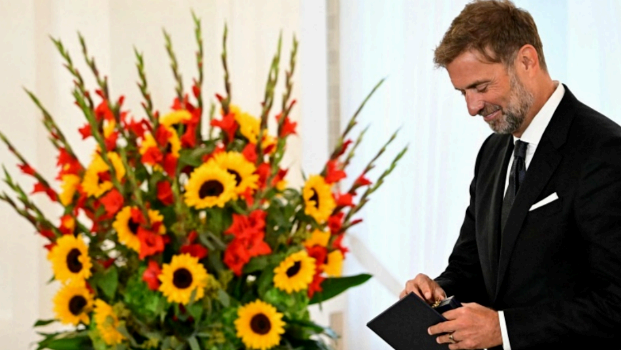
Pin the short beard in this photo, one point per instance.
(520, 102)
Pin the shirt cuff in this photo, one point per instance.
(503, 331)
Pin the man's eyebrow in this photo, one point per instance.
(474, 85)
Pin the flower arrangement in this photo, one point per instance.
(175, 238)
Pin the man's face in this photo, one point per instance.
(491, 91)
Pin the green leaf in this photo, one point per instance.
(224, 298)
(109, 281)
(256, 264)
(264, 283)
(337, 285)
(41, 323)
(76, 343)
(193, 343)
(315, 327)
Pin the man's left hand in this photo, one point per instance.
(472, 327)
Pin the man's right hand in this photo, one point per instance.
(424, 287)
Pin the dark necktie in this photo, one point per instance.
(516, 177)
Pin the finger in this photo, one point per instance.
(403, 293)
(439, 293)
(446, 339)
(453, 314)
(442, 327)
(425, 290)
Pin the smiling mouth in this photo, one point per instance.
(488, 118)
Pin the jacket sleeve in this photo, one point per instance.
(463, 277)
(593, 316)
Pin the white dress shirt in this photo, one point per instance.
(532, 135)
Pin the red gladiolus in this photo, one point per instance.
(112, 201)
(26, 169)
(227, 124)
(85, 131)
(250, 152)
(164, 193)
(49, 234)
(334, 173)
(150, 275)
(188, 140)
(338, 244)
(195, 250)
(49, 247)
(67, 164)
(362, 181)
(39, 187)
(319, 253)
(150, 243)
(335, 222)
(110, 141)
(236, 257)
(344, 148)
(152, 156)
(170, 164)
(137, 216)
(67, 225)
(315, 285)
(107, 263)
(288, 127)
(344, 200)
(138, 128)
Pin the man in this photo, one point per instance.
(538, 258)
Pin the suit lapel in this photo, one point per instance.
(493, 239)
(542, 167)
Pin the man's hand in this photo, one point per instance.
(426, 288)
(472, 327)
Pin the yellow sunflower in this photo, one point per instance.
(259, 325)
(208, 186)
(181, 277)
(236, 164)
(319, 238)
(175, 117)
(73, 303)
(250, 126)
(96, 179)
(70, 260)
(334, 265)
(127, 229)
(69, 185)
(173, 146)
(294, 273)
(318, 199)
(107, 323)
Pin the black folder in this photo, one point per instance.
(404, 324)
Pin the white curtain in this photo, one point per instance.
(413, 221)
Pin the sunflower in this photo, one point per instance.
(97, 177)
(319, 238)
(259, 325)
(181, 278)
(176, 117)
(208, 186)
(250, 127)
(244, 171)
(127, 229)
(69, 185)
(70, 260)
(318, 199)
(173, 144)
(334, 265)
(107, 323)
(73, 303)
(294, 273)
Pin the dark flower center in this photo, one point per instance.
(103, 177)
(237, 177)
(293, 270)
(260, 324)
(315, 197)
(73, 263)
(211, 188)
(182, 278)
(133, 226)
(77, 304)
(168, 147)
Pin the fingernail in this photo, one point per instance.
(429, 331)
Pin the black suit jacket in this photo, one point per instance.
(557, 274)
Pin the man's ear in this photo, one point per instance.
(527, 59)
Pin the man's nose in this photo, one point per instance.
(474, 103)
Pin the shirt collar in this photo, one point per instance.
(533, 133)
